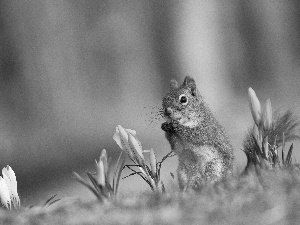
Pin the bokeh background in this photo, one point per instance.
(71, 70)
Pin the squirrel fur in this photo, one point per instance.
(203, 148)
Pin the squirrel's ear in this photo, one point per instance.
(174, 84)
(190, 82)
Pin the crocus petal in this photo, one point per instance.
(123, 133)
(121, 137)
(100, 173)
(4, 194)
(254, 106)
(117, 137)
(255, 133)
(103, 158)
(152, 161)
(136, 148)
(266, 147)
(11, 181)
(129, 131)
(267, 120)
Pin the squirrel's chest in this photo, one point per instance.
(198, 164)
(199, 155)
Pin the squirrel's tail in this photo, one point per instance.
(261, 147)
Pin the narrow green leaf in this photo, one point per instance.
(117, 168)
(56, 200)
(119, 176)
(94, 182)
(289, 155)
(83, 182)
(282, 152)
(49, 200)
(163, 189)
(142, 175)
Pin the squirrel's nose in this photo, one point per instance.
(168, 111)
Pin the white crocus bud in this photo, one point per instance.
(152, 161)
(4, 194)
(254, 107)
(100, 173)
(266, 147)
(267, 120)
(103, 158)
(11, 182)
(255, 133)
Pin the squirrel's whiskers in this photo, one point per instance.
(155, 115)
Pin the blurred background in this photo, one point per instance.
(71, 70)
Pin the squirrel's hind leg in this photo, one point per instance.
(182, 179)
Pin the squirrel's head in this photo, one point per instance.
(182, 103)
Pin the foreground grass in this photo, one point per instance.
(273, 197)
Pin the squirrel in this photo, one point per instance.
(203, 148)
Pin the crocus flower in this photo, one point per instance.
(101, 168)
(4, 194)
(152, 161)
(121, 137)
(8, 188)
(127, 141)
(254, 106)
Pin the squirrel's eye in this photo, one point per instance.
(183, 99)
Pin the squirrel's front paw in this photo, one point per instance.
(166, 126)
(169, 126)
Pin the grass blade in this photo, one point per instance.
(283, 146)
(56, 200)
(289, 155)
(49, 200)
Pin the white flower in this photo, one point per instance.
(8, 188)
(4, 194)
(136, 148)
(266, 147)
(101, 166)
(127, 141)
(121, 137)
(152, 161)
(254, 106)
(267, 119)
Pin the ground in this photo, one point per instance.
(273, 197)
